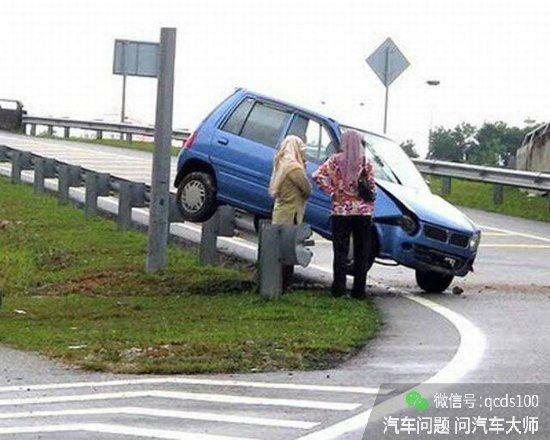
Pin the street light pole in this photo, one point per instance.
(431, 83)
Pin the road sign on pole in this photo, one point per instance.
(134, 58)
(157, 252)
(388, 62)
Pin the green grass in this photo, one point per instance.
(480, 196)
(134, 145)
(75, 290)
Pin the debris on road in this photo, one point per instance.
(457, 290)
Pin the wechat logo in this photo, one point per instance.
(414, 398)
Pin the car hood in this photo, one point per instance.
(430, 207)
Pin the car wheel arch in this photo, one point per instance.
(192, 165)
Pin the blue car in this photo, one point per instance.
(228, 160)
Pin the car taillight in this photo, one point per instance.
(190, 141)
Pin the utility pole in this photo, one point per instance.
(157, 248)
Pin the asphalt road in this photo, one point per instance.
(496, 331)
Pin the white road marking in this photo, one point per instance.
(180, 395)
(466, 359)
(154, 412)
(520, 234)
(192, 381)
(116, 429)
(515, 245)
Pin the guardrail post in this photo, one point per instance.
(4, 154)
(97, 185)
(99, 134)
(66, 132)
(221, 224)
(130, 194)
(68, 175)
(498, 194)
(129, 137)
(33, 129)
(50, 130)
(281, 245)
(44, 168)
(446, 185)
(20, 160)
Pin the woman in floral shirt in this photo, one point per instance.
(351, 214)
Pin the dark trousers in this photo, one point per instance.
(344, 227)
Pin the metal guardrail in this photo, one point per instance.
(99, 127)
(500, 176)
(448, 170)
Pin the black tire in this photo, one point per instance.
(196, 196)
(433, 282)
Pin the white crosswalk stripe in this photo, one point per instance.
(182, 408)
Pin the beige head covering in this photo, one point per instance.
(290, 156)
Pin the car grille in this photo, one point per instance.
(444, 236)
(435, 233)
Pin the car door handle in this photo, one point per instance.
(223, 141)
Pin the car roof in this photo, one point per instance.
(305, 110)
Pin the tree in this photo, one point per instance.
(452, 145)
(409, 148)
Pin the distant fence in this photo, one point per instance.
(98, 127)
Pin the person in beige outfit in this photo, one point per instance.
(290, 188)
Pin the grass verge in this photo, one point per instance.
(74, 290)
(479, 195)
(134, 145)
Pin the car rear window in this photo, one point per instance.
(235, 122)
(264, 124)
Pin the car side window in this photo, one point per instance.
(264, 124)
(319, 145)
(235, 122)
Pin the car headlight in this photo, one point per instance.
(408, 224)
(474, 241)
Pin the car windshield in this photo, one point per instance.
(391, 162)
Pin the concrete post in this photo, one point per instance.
(68, 175)
(208, 250)
(92, 193)
(50, 130)
(130, 194)
(157, 247)
(67, 132)
(446, 185)
(129, 137)
(44, 168)
(39, 175)
(33, 129)
(498, 194)
(271, 273)
(99, 134)
(16, 167)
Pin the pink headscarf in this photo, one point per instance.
(352, 157)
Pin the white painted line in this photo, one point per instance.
(466, 359)
(116, 429)
(515, 245)
(521, 234)
(470, 349)
(193, 381)
(355, 423)
(154, 412)
(180, 395)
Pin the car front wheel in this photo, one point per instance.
(196, 196)
(433, 282)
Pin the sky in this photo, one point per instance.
(490, 56)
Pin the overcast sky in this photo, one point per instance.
(491, 57)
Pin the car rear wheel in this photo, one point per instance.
(433, 282)
(196, 196)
